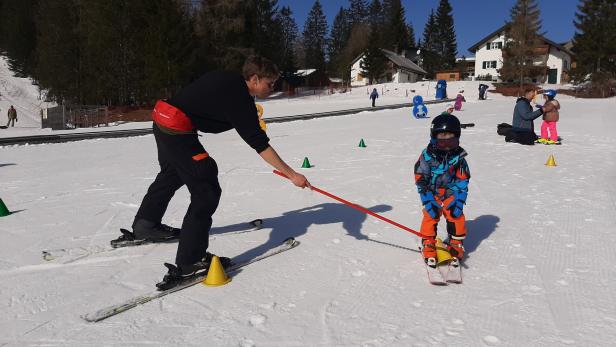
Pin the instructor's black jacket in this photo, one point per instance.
(219, 101)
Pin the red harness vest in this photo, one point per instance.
(171, 117)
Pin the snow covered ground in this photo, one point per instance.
(540, 242)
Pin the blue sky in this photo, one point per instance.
(473, 19)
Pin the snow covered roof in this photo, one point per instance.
(305, 72)
(397, 59)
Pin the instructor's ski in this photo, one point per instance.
(71, 254)
(107, 312)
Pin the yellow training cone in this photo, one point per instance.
(442, 254)
(551, 161)
(216, 275)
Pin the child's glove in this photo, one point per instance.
(539, 106)
(456, 206)
(432, 207)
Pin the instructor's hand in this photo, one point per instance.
(299, 180)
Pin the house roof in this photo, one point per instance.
(305, 72)
(474, 47)
(397, 59)
(402, 61)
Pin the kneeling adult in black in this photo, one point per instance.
(523, 129)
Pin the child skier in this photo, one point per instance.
(549, 135)
(483, 88)
(442, 176)
(374, 95)
(459, 100)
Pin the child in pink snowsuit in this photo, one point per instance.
(459, 99)
(549, 134)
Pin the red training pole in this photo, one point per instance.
(357, 207)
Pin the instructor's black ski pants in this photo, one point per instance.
(184, 161)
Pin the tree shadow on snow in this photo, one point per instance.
(479, 229)
(296, 223)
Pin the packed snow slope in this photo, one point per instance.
(23, 95)
(540, 247)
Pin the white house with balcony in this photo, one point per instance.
(399, 69)
(489, 58)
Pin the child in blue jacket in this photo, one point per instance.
(441, 177)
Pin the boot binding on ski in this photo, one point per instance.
(176, 275)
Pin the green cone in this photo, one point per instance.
(306, 164)
(4, 211)
(362, 144)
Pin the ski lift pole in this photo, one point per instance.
(357, 207)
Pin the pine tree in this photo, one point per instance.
(396, 35)
(429, 46)
(338, 39)
(221, 28)
(595, 42)
(376, 15)
(521, 40)
(446, 45)
(358, 12)
(289, 37)
(314, 37)
(59, 59)
(18, 35)
(265, 32)
(373, 64)
(167, 49)
(411, 33)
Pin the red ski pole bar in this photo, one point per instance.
(357, 207)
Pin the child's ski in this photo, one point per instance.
(141, 299)
(454, 271)
(435, 276)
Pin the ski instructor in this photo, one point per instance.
(214, 103)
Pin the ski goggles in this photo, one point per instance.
(447, 144)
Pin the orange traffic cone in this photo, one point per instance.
(216, 275)
(551, 161)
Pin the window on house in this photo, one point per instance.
(494, 45)
(489, 64)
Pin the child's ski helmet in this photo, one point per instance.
(551, 93)
(445, 122)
